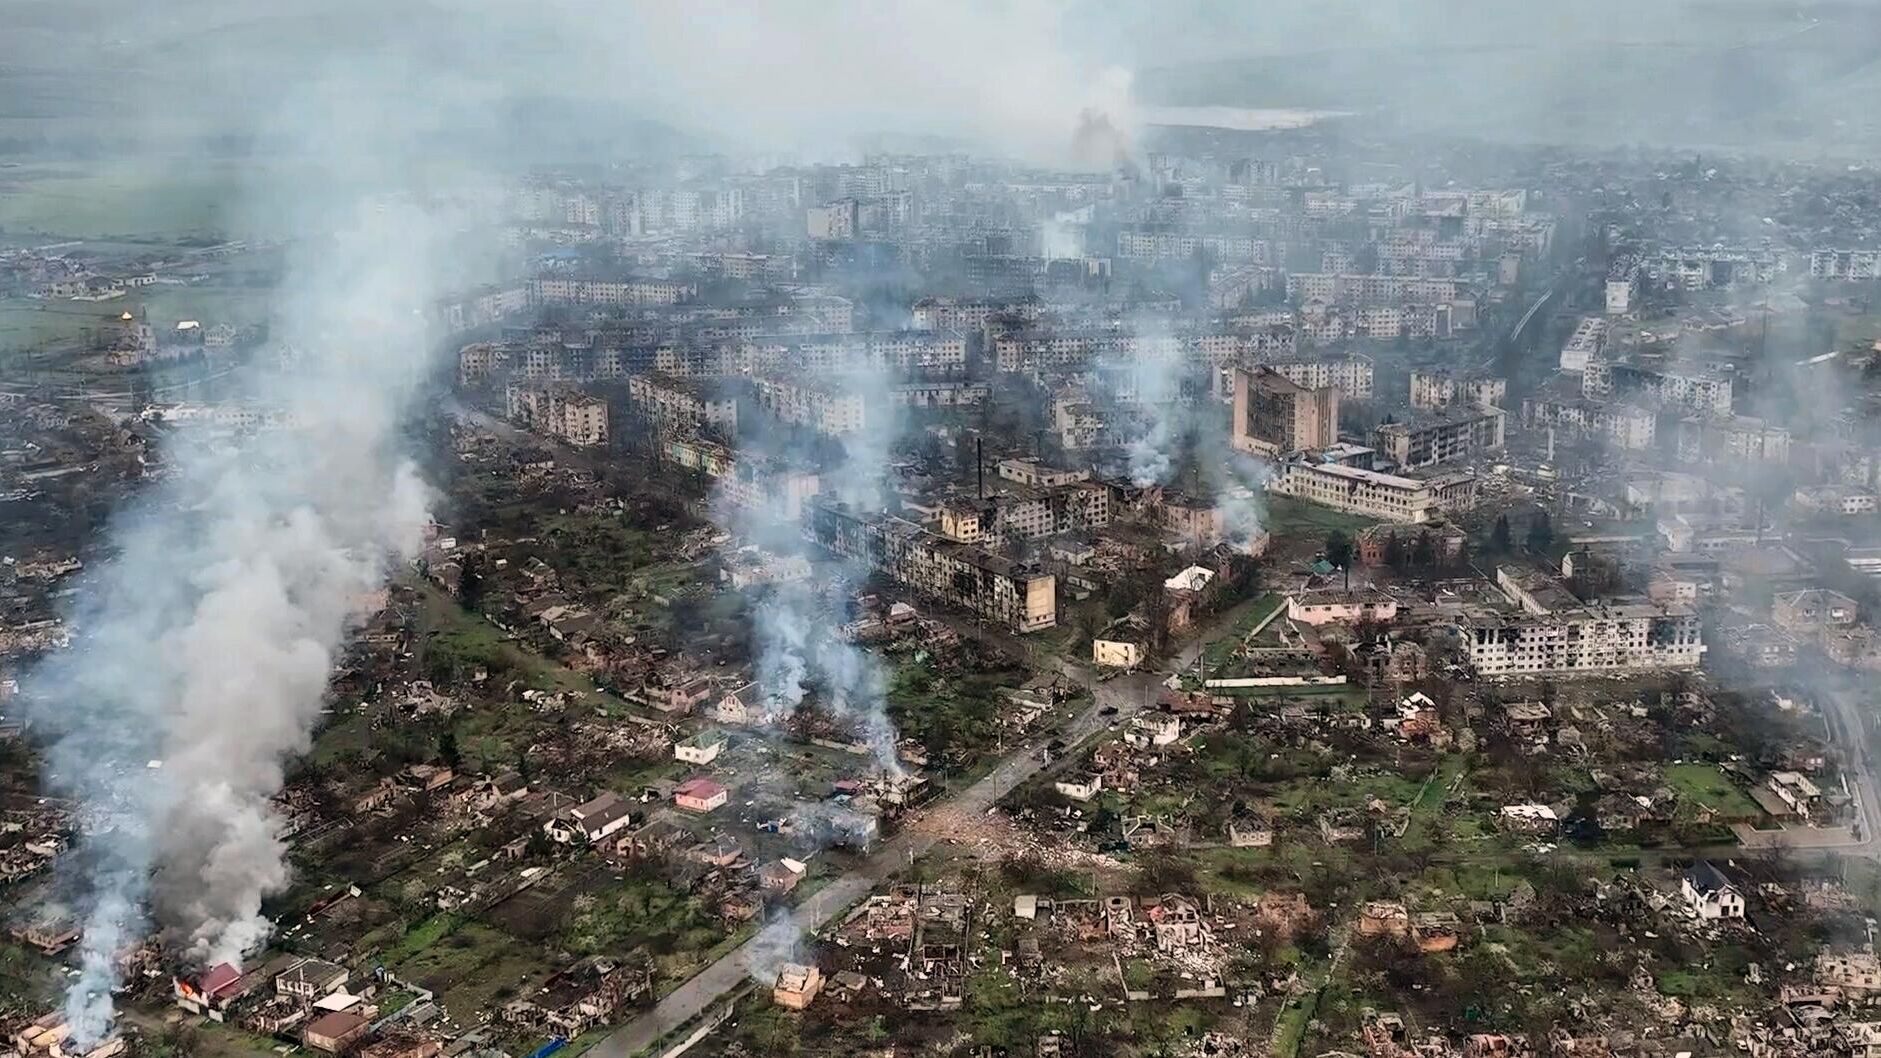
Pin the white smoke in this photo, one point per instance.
(1149, 379)
(204, 644)
(1241, 497)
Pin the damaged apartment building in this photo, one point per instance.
(1545, 629)
(1023, 598)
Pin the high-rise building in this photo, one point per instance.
(1273, 414)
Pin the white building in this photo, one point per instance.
(1629, 637)
(1389, 497)
(1434, 390)
(1587, 343)
(1709, 894)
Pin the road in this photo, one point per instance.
(1127, 695)
(1846, 726)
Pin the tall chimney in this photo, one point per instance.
(979, 463)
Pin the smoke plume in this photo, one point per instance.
(204, 643)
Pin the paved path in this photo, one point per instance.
(1126, 695)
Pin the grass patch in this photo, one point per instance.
(1287, 516)
(423, 935)
(1706, 785)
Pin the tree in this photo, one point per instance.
(1540, 532)
(1394, 551)
(1338, 549)
(1423, 551)
(1499, 536)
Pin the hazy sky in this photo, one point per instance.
(814, 75)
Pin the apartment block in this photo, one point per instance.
(1020, 597)
(558, 412)
(1433, 390)
(930, 353)
(1369, 289)
(1439, 438)
(1031, 472)
(825, 409)
(1549, 632)
(1683, 384)
(677, 404)
(945, 393)
(1587, 344)
(559, 290)
(1626, 425)
(1263, 342)
(1061, 350)
(1273, 414)
(1734, 439)
(1351, 376)
(1855, 266)
(1390, 497)
(1028, 514)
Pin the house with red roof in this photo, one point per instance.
(700, 794)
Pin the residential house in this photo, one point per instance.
(591, 821)
(700, 794)
(1250, 834)
(1528, 819)
(310, 980)
(335, 1032)
(744, 707)
(781, 876)
(701, 748)
(210, 994)
(1709, 894)
(797, 986)
(1081, 788)
(1154, 729)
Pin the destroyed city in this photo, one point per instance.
(940, 529)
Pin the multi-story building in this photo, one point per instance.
(1061, 350)
(1548, 631)
(1020, 597)
(480, 362)
(1629, 426)
(1622, 285)
(564, 290)
(1390, 497)
(1438, 438)
(1370, 289)
(1350, 375)
(1433, 390)
(1267, 341)
(1587, 344)
(1151, 245)
(1684, 384)
(1738, 438)
(1855, 266)
(1031, 472)
(1027, 514)
(1273, 414)
(954, 314)
(826, 409)
(1718, 267)
(559, 412)
(841, 219)
(777, 489)
(928, 352)
(942, 393)
(677, 404)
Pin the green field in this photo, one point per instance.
(1705, 784)
(1288, 518)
